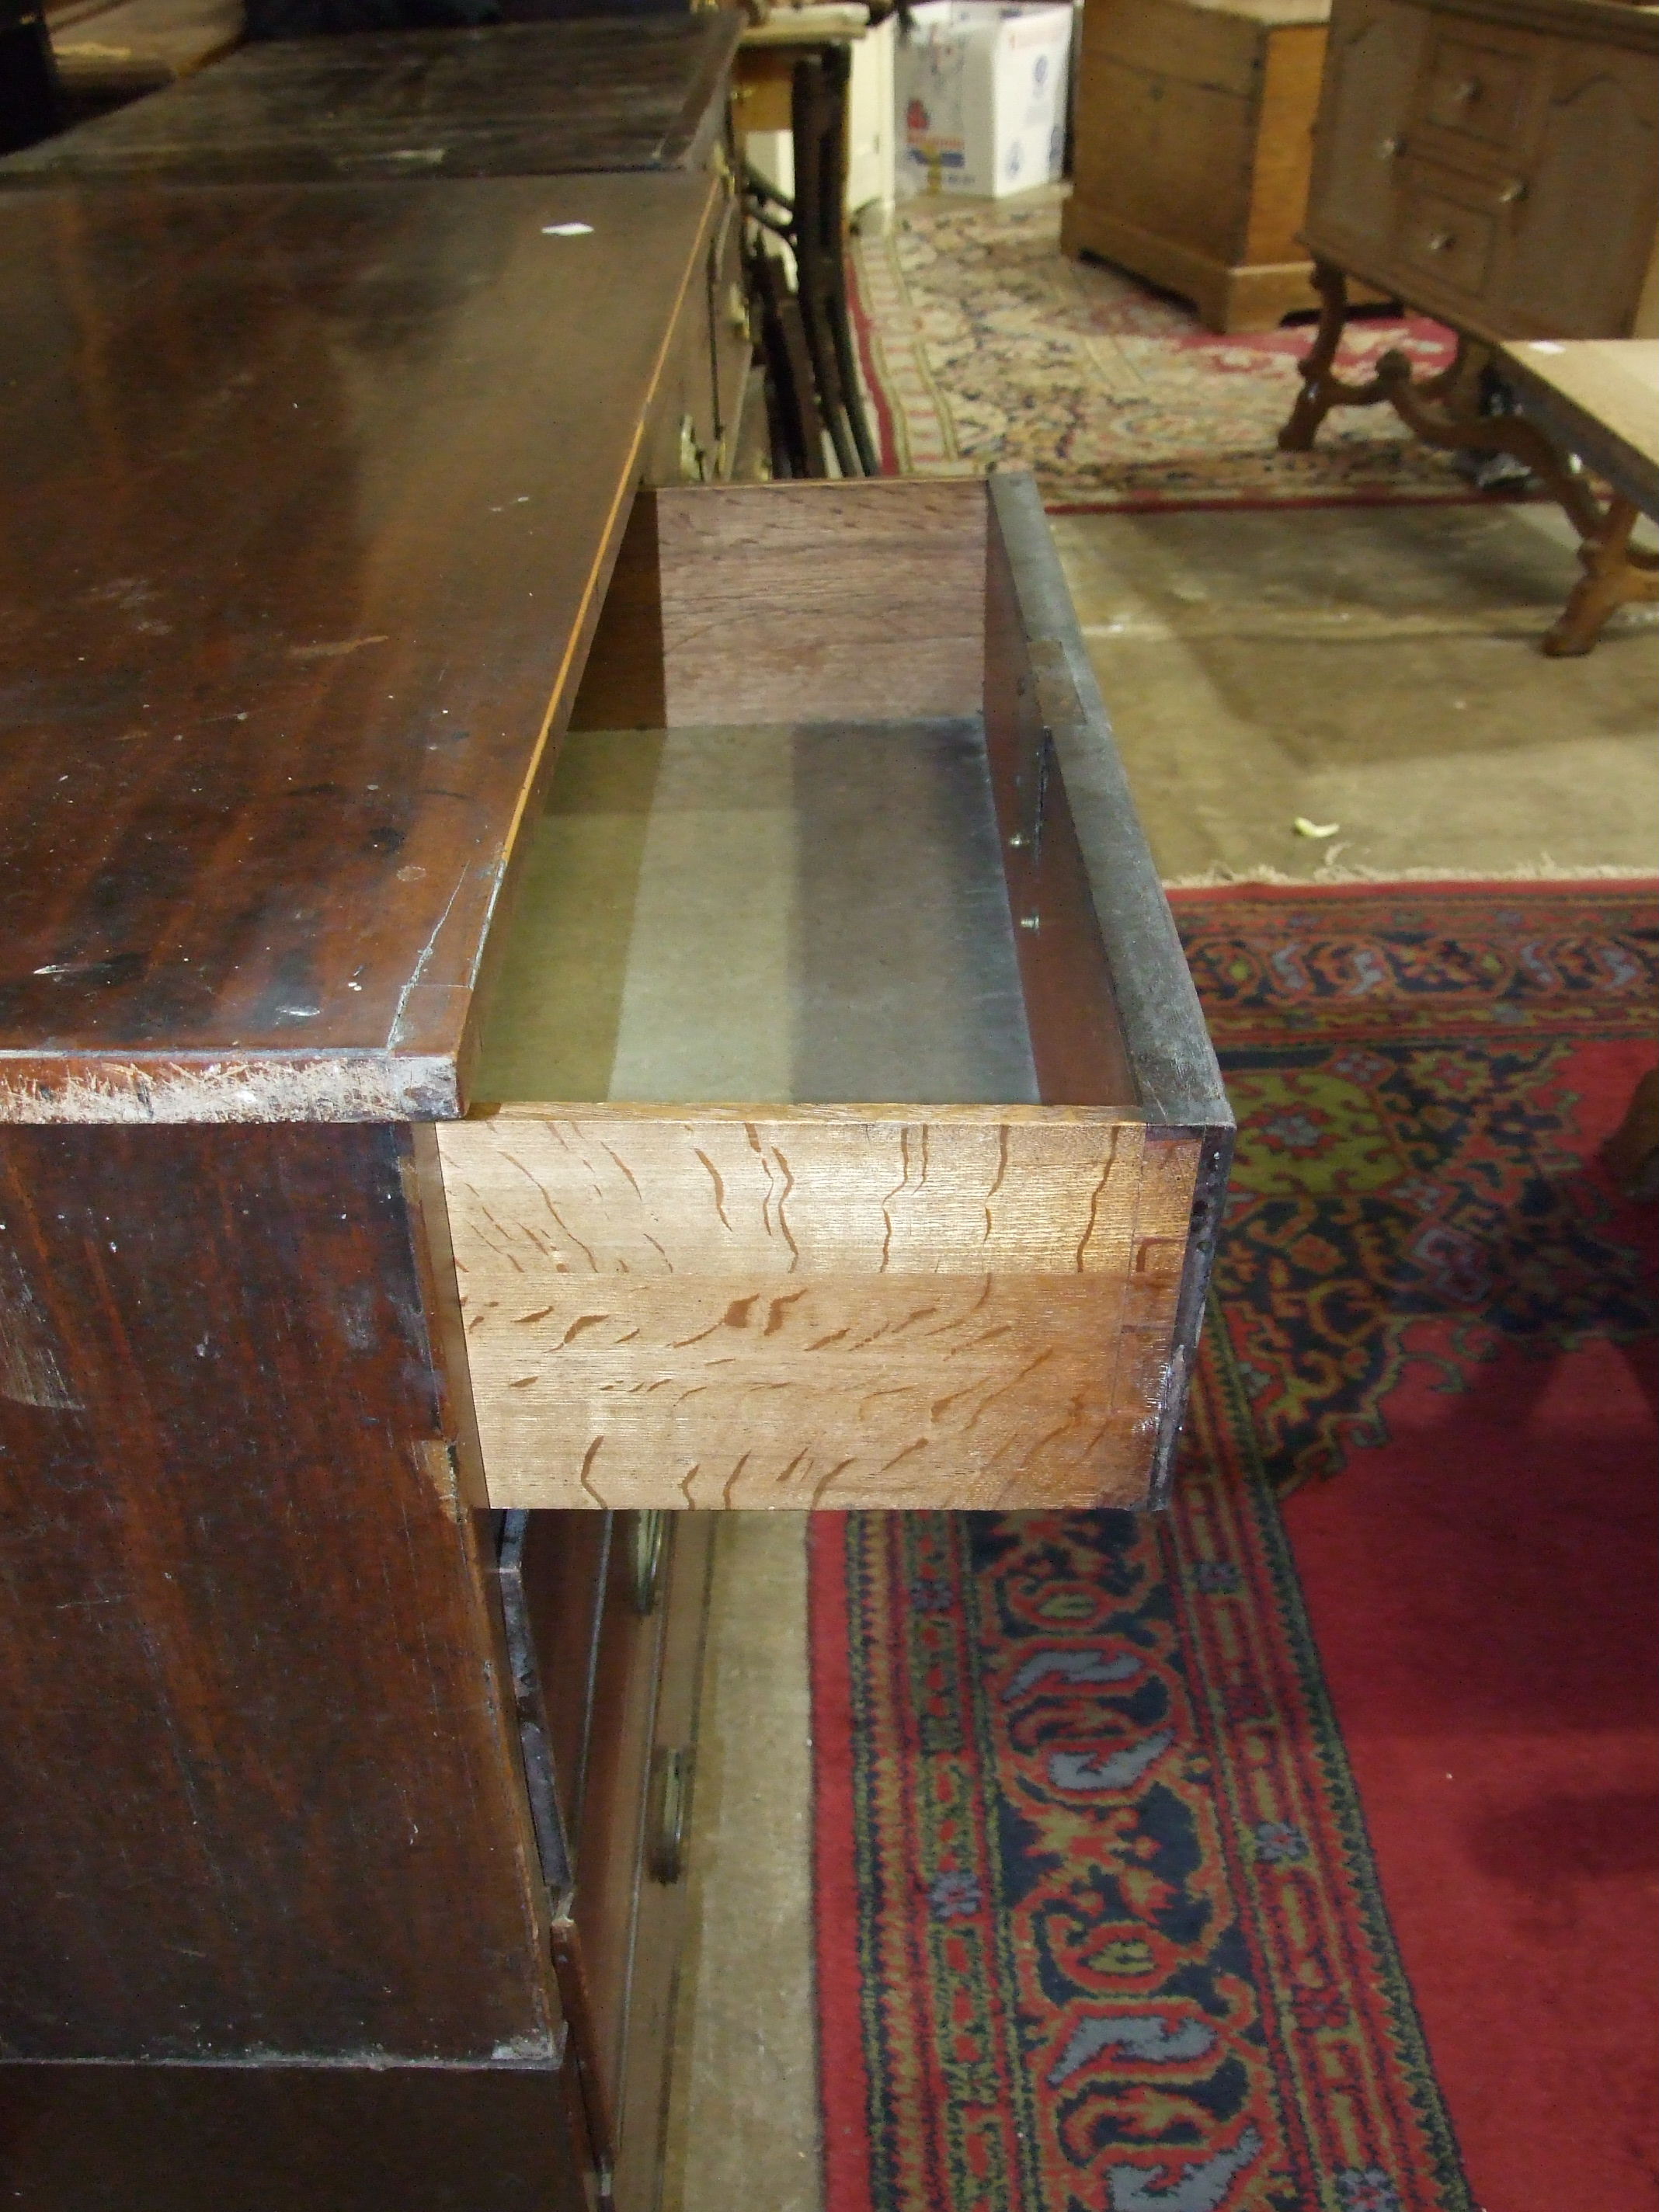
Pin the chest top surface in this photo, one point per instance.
(509, 99)
(311, 495)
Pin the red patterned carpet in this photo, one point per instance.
(1297, 1852)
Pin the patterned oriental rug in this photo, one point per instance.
(982, 345)
(1297, 1851)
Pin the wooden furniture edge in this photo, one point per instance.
(700, 122)
(881, 1113)
(1623, 22)
(1229, 296)
(1569, 420)
(1173, 1060)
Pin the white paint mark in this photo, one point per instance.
(420, 965)
(368, 1086)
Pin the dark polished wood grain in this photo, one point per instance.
(260, 1789)
(311, 499)
(510, 100)
(274, 2139)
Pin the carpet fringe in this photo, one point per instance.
(1541, 871)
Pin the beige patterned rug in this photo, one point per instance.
(983, 346)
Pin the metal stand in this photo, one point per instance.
(810, 224)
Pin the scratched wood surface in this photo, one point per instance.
(261, 1794)
(509, 100)
(866, 1307)
(310, 493)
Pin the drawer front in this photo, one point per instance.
(605, 1617)
(664, 1898)
(1445, 239)
(767, 1311)
(610, 1835)
(1480, 91)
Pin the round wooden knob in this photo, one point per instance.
(1390, 149)
(1469, 92)
(1441, 241)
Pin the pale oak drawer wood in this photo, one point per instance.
(845, 1129)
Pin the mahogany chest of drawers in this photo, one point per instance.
(525, 986)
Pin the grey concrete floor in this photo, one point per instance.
(1376, 667)
(1373, 667)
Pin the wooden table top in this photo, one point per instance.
(311, 496)
(510, 100)
(132, 46)
(1600, 397)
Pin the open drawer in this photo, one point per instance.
(847, 1133)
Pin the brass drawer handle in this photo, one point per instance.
(671, 1802)
(648, 1550)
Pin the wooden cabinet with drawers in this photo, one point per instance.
(1496, 163)
(342, 634)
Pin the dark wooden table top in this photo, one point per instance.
(310, 495)
(511, 99)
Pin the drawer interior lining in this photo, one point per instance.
(783, 912)
(919, 920)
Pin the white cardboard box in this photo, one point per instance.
(980, 92)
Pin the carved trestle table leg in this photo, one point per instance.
(1615, 574)
(1443, 411)
(1321, 388)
